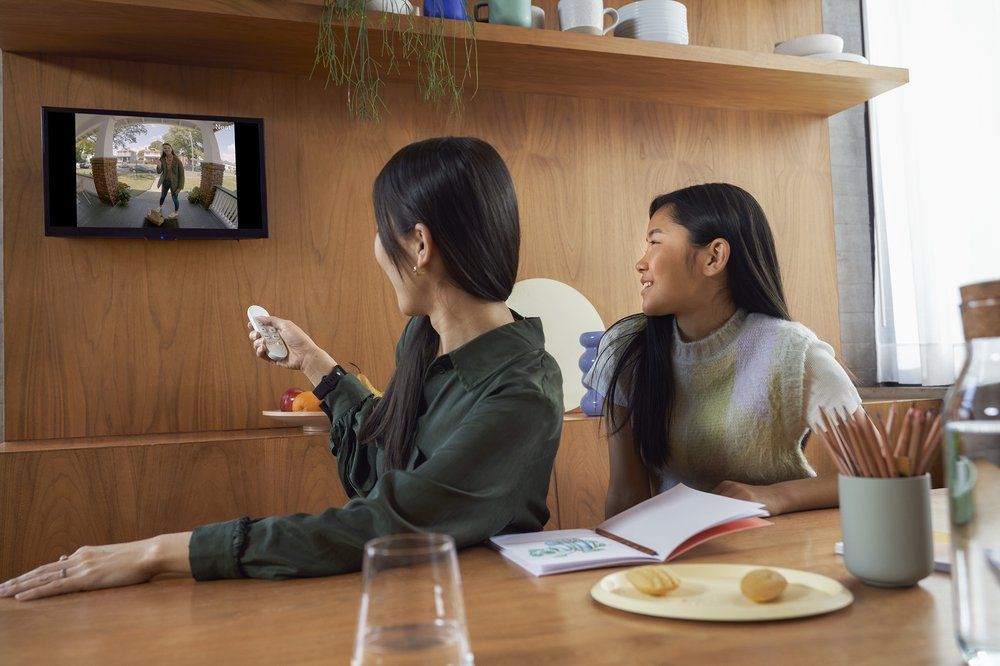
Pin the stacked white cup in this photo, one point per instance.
(654, 20)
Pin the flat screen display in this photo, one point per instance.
(131, 174)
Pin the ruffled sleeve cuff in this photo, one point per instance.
(348, 394)
(215, 550)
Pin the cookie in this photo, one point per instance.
(763, 585)
(655, 580)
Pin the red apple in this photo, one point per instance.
(287, 397)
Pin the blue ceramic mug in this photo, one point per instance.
(450, 9)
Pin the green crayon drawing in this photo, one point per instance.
(564, 547)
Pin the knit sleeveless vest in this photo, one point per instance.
(739, 403)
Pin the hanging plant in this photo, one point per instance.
(443, 64)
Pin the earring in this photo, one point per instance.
(414, 269)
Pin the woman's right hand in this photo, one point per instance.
(303, 353)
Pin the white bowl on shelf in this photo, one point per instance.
(845, 57)
(810, 45)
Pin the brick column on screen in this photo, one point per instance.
(105, 171)
(211, 177)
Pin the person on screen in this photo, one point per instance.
(461, 443)
(171, 171)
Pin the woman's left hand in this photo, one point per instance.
(89, 568)
(769, 496)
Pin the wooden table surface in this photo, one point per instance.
(513, 618)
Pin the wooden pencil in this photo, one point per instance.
(884, 444)
(834, 452)
(916, 437)
(857, 449)
(865, 426)
(890, 431)
(904, 435)
(862, 443)
(844, 449)
(932, 444)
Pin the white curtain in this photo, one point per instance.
(936, 174)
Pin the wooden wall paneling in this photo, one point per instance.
(53, 501)
(585, 169)
(582, 471)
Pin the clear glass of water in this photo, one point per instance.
(412, 610)
(972, 467)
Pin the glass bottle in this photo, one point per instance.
(972, 469)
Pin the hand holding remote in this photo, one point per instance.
(303, 353)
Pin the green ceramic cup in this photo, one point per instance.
(886, 527)
(508, 12)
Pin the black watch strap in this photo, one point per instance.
(329, 382)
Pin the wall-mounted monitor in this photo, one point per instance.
(138, 174)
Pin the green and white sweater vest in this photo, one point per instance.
(741, 404)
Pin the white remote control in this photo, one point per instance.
(276, 349)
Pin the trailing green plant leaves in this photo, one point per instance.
(344, 49)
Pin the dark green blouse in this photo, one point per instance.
(485, 445)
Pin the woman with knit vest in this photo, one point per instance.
(713, 385)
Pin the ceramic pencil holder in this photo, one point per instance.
(886, 528)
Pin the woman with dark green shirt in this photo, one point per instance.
(464, 438)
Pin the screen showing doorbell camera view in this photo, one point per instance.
(144, 174)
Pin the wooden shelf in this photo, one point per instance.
(280, 36)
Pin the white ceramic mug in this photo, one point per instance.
(586, 16)
(537, 17)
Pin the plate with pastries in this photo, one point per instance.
(721, 592)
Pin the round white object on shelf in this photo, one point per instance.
(810, 44)
(566, 314)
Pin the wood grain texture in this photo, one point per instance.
(280, 36)
(162, 346)
(512, 617)
(53, 501)
(582, 471)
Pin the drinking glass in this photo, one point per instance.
(411, 603)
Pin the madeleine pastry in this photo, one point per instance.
(763, 585)
(654, 579)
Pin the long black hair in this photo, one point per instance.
(460, 188)
(640, 344)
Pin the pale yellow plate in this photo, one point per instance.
(310, 421)
(711, 592)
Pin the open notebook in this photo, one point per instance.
(657, 530)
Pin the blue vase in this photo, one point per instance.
(592, 403)
(450, 9)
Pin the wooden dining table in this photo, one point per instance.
(513, 618)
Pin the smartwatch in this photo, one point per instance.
(329, 382)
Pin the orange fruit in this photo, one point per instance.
(306, 402)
